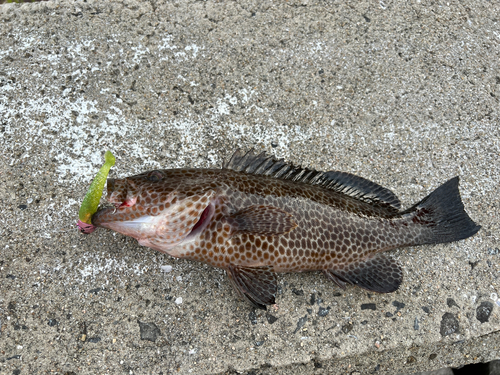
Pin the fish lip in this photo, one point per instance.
(97, 217)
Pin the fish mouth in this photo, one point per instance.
(117, 198)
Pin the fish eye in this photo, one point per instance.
(154, 176)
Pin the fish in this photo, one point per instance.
(259, 215)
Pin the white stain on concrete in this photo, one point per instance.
(193, 48)
(96, 266)
(166, 44)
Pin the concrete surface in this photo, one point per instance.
(442, 371)
(405, 94)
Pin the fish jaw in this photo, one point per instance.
(113, 218)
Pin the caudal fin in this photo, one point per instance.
(442, 216)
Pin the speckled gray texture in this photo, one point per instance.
(405, 95)
(442, 371)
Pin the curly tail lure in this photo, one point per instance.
(93, 196)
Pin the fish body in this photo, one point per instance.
(258, 216)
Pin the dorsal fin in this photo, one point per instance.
(342, 182)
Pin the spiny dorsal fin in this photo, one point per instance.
(342, 182)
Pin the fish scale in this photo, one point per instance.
(259, 215)
(323, 238)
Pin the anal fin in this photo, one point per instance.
(255, 284)
(262, 220)
(378, 274)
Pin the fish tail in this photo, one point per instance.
(442, 216)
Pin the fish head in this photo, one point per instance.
(161, 209)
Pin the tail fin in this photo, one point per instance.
(443, 216)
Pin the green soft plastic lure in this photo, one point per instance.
(93, 196)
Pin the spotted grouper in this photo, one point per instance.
(258, 215)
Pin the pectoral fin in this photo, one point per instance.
(262, 220)
(377, 274)
(257, 285)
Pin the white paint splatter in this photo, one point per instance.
(166, 44)
(194, 49)
(91, 266)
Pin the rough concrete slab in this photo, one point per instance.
(403, 94)
(442, 371)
